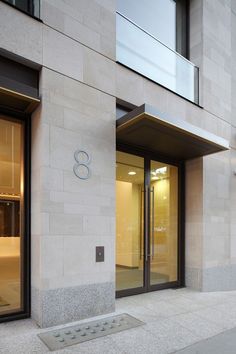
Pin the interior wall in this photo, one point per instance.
(10, 156)
(128, 219)
(166, 223)
(10, 215)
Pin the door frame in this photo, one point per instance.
(148, 156)
(25, 120)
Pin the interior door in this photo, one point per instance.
(163, 224)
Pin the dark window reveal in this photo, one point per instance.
(32, 7)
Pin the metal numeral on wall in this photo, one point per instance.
(81, 167)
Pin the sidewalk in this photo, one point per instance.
(174, 319)
(223, 343)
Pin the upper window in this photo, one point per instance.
(32, 7)
(157, 17)
(151, 39)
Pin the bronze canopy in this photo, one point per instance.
(147, 128)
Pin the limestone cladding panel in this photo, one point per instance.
(24, 38)
(79, 214)
(216, 86)
(70, 217)
(216, 178)
(62, 54)
(194, 222)
(91, 23)
(233, 62)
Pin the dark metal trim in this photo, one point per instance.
(182, 27)
(125, 105)
(25, 313)
(135, 150)
(181, 226)
(130, 292)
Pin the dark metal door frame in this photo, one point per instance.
(147, 287)
(24, 119)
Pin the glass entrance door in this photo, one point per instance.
(12, 221)
(163, 233)
(146, 224)
(129, 221)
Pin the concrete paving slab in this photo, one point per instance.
(224, 343)
(174, 320)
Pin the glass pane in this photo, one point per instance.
(11, 220)
(157, 17)
(164, 223)
(129, 221)
(149, 57)
(36, 8)
(21, 4)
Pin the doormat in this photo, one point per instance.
(3, 302)
(66, 336)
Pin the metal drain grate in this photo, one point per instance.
(63, 337)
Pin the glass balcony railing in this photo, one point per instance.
(140, 51)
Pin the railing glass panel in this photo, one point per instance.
(140, 51)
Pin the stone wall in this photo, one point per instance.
(79, 82)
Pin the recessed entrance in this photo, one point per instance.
(147, 230)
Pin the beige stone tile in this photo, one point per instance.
(129, 86)
(97, 225)
(51, 257)
(26, 39)
(82, 33)
(65, 224)
(79, 255)
(51, 179)
(99, 72)
(66, 56)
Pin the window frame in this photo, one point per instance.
(182, 28)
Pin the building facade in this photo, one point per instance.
(118, 152)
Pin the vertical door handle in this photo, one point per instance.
(146, 223)
(152, 228)
(141, 226)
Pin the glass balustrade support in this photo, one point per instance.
(143, 53)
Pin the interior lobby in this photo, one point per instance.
(11, 189)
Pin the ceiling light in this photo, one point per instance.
(131, 173)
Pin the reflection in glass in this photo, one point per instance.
(157, 17)
(129, 221)
(11, 209)
(164, 223)
(141, 52)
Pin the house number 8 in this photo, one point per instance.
(81, 167)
